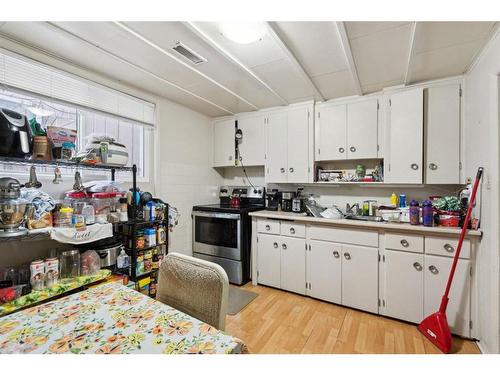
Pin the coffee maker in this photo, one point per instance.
(273, 200)
(15, 134)
(286, 200)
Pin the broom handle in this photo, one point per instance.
(444, 300)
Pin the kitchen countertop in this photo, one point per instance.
(280, 215)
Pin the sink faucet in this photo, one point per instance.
(352, 209)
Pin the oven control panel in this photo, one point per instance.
(242, 191)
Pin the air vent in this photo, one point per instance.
(189, 54)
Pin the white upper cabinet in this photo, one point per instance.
(331, 133)
(406, 137)
(442, 134)
(252, 147)
(224, 146)
(289, 145)
(277, 147)
(362, 121)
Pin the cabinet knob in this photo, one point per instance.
(449, 248)
(352, 149)
(433, 166)
(404, 243)
(414, 166)
(283, 246)
(341, 150)
(292, 230)
(268, 227)
(347, 256)
(275, 245)
(336, 254)
(433, 270)
(282, 170)
(417, 266)
(291, 170)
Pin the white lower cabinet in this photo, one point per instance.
(269, 260)
(324, 271)
(404, 285)
(360, 277)
(436, 270)
(293, 260)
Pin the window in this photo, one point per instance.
(133, 135)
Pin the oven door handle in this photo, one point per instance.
(221, 215)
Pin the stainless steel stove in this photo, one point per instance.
(222, 233)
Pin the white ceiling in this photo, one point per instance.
(293, 62)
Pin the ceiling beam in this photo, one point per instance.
(225, 53)
(276, 35)
(59, 29)
(411, 53)
(178, 60)
(346, 46)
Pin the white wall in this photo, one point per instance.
(185, 176)
(482, 149)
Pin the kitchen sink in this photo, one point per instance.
(364, 218)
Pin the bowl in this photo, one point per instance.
(13, 212)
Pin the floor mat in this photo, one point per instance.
(238, 299)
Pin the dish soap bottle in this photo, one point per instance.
(122, 260)
(394, 199)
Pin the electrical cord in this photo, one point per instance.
(242, 166)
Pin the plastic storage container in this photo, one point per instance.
(150, 237)
(103, 202)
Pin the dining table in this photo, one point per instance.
(111, 319)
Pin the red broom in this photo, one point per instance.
(435, 327)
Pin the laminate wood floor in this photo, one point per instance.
(282, 322)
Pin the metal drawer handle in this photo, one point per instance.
(352, 149)
(433, 270)
(449, 248)
(336, 254)
(341, 150)
(347, 256)
(433, 166)
(283, 246)
(405, 243)
(417, 266)
(292, 230)
(275, 245)
(291, 170)
(282, 170)
(268, 227)
(414, 166)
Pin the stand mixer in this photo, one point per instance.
(13, 210)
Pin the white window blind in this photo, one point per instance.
(25, 74)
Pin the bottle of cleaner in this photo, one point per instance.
(122, 260)
(394, 199)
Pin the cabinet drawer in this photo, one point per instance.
(347, 236)
(293, 229)
(268, 226)
(446, 246)
(406, 242)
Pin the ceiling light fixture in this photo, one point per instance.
(242, 32)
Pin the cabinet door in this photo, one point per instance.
(269, 260)
(331, 133)
(406, 137)
(298, 145)
(252, 146)
(360, 277)
(324, 271)
(276, 149)
(442, 138)
(435, 278)
(224, 143)
(362, 138)
(404, 285)
(293, 264)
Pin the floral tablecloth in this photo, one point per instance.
(110, 318)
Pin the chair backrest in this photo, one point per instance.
(195, 287)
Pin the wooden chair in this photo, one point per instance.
(195, 287)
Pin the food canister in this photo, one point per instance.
(51, 271)
(37, 270)
(150, 237)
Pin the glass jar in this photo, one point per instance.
(103, 202)
(65, 217)
(70, 264)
